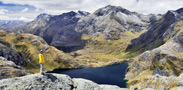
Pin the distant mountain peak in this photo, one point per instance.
(83, 13)
(43, 15)
(180, 11)
(78, 14)
(109, 9)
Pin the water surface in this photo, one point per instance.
(113, 74)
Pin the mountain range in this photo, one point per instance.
(10, 24)
(112, 34)
(65, 30)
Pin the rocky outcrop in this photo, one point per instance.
(158, 82)
(51, 81)
(12, 55)
(9, 69)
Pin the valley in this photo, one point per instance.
(111, 35)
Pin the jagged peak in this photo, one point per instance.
(78, 14)
(71, 13)
(180, 11)
(109, 9)
(176, 13)
(83, 13)
(43, 15)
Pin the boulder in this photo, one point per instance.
(38, 82)
(9, 69)
(82, 84)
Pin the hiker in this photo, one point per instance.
(41, 62)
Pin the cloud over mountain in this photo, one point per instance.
(56, 7)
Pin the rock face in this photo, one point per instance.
(50, 81)
(9, 69)
(12, 55)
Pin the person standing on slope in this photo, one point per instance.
(41, 62)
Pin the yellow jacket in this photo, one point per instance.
(41, 59)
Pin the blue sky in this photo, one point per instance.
(27, 10)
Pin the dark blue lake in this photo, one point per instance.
(113, 74)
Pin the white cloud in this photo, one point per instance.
(3, 11)
(142, 6)
(2, 17)
(24, 10)
(56, 7)
(37, 10)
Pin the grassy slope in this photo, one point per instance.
(100, 52)
(174, 62)
(32, 44)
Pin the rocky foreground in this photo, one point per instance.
(9, 69)
(51, 81)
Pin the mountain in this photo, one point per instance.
(108, 31)
(7, 24)
(158, 34)
(96, 39)
(162, 45)
(113, 22)
(65, 31)
(57, 30)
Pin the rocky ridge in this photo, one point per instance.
(51, 81)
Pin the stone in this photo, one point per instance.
(82, 84)
(180, 76)
(112, 87)
(179, 83)
(156, 77)
(47, 81)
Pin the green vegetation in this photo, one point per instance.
(28, 46)
(99, 51)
